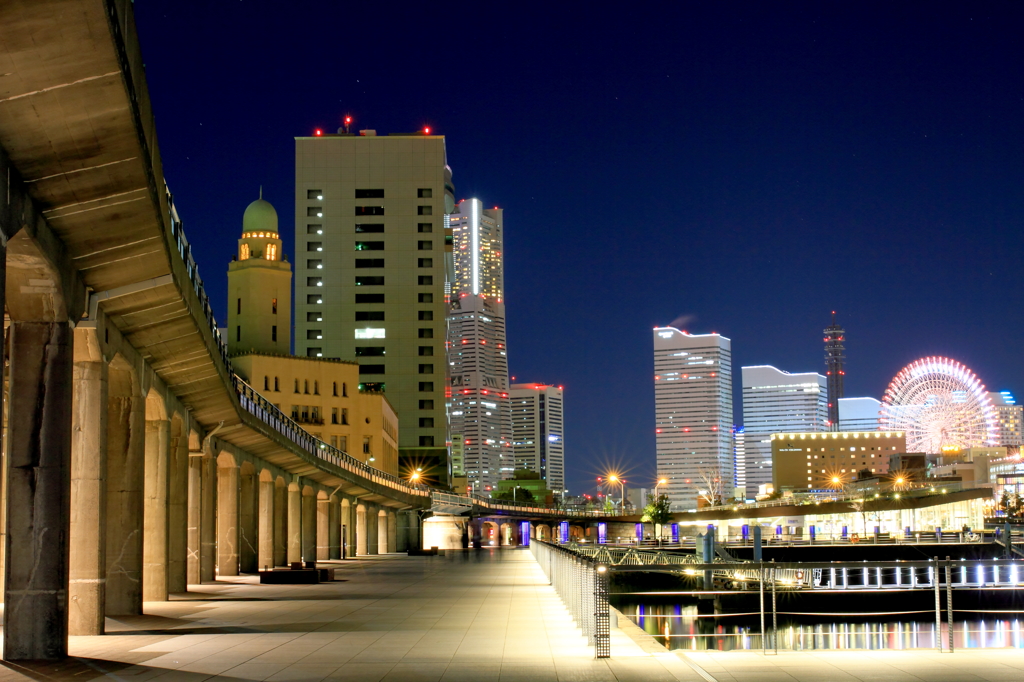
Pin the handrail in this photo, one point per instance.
(505, 505)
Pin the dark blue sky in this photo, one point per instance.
(747, 168)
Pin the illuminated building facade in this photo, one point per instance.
(1011, 418)
(477, 249)
(372, 266)
(812, 460)
(775, 401)
(859, 414)
(538, 436)
(693, 412)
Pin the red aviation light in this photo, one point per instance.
(657, 430)
(348, 119)
(561, 388)
(686, 429)
(484, 391)
(426, 131)
(318, 132)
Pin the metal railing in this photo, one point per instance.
(582, 584)
(477, 500)
(923, 489)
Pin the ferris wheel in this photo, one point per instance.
(939, 403)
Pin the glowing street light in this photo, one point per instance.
(614, 478)
(661, 481)
(415, 476)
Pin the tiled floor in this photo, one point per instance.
(468, 616)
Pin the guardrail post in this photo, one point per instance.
(949, 603)
(775, 631)
(602, 626)
(938, 606)
(760, 582)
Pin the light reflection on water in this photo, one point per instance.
(679, 627)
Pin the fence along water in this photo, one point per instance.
(582, 585)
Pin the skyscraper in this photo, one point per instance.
(835, 356)
(775, 401)
(538, 437)
(693, 413)
(1011, 418)
(480, 418)
(859, 414)
(372, 264)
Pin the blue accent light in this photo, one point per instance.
(675, 533)
(602, 533)
(563, 531)
(524, 533)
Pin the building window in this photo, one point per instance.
(334, 415)
(316, 387)
(426, 404)
(273, 333)
(367, 315)
(426, 350)
(273, 306)
(344, 390)
(369, 227)
(369, 281)
(266, 383)
(425, 245)
(314, 317)
(426, 369)
(426, 314)
(314, 334)
(426, 298)
(425, 263)
(314, 352)
(277, 386)
(426, 227)
(314, 281)
(369, 194)
(343, 443)
(426, 333)
(344, 416)
(334, 386)
(426, 280)
(314, 246)
(314, 229)
(314, 299)
(427, 441)
(334, 440)
(305, 386)
(425, 210)
(239, 311)
(426, 422)
(369, 262)
(238, 333)
(243, 252)
(427, 386)
(366, 444)
(369, 351)
(314, 194)
(314, 212)
(314, 264)
(271, 251)
(369, 210)
(369, 246)
(296, 385)
(371, 369)
(369, 298)
(425, 193)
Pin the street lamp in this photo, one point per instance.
(415, 476)
(661, 481)
(613, 478)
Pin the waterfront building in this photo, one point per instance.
(1011, 418)
(538, 435)
(371, 227)
(481, 420)
(831, 460)
(693, 413)
(776, 401)
(321, 395)
(859, 414)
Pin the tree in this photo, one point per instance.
(658, 512)
(516, 494)
(712, 484)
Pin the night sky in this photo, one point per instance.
(729, 167)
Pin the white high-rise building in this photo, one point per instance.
(693, 413)
(1011, 419)
(481, 422)
(859, 414)
(740, 457)
(775, 401)
(538, 437)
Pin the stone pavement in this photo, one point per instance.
(472, 616)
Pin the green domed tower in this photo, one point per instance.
(259, 286)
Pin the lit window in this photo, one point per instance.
(243, 252)
(271, 251)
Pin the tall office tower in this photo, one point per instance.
(775, 401)
(1011, 419)
(834, 357)
(859, 414)
(538, 438)
(259, 286)
(372, 265)
(481, 423)
(739, 439)
(693, 413)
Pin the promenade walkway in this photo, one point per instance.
(469, 616)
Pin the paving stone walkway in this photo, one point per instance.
(468, 616)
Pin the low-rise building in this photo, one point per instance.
(831, 460)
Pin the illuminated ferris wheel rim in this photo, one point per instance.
(939, 401)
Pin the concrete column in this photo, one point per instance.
(227, 520)
(38, 491)
(415, 533)
(207, 521)
(372, 534)
(294, 523)
(87, 588)
(126, 459)
(392, 538)
(361, 526)
(195, 505)
(309, 527)
(177, 524)
(323, 530)
(280, 524)
(266, 525)
(334, 528)
(156, 541)
(248, 541)
(402, 541)
(348, 548)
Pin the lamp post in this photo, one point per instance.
(613, 478)
(660, 482)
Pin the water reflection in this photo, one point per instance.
(681, 627)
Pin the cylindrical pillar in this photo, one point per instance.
(348, 548)
(247, 539)
(38, 491)
(323, 529)
(392, 529)
(266, 525)
(308, 525)
(362, 548)
(177, 531)
(195, 517)
(155, 540)
(227, 520)
(88, 568)
(294, 523)
(280, 523)
(334, 534)
(208, 516)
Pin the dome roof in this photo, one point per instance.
(259, 216)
